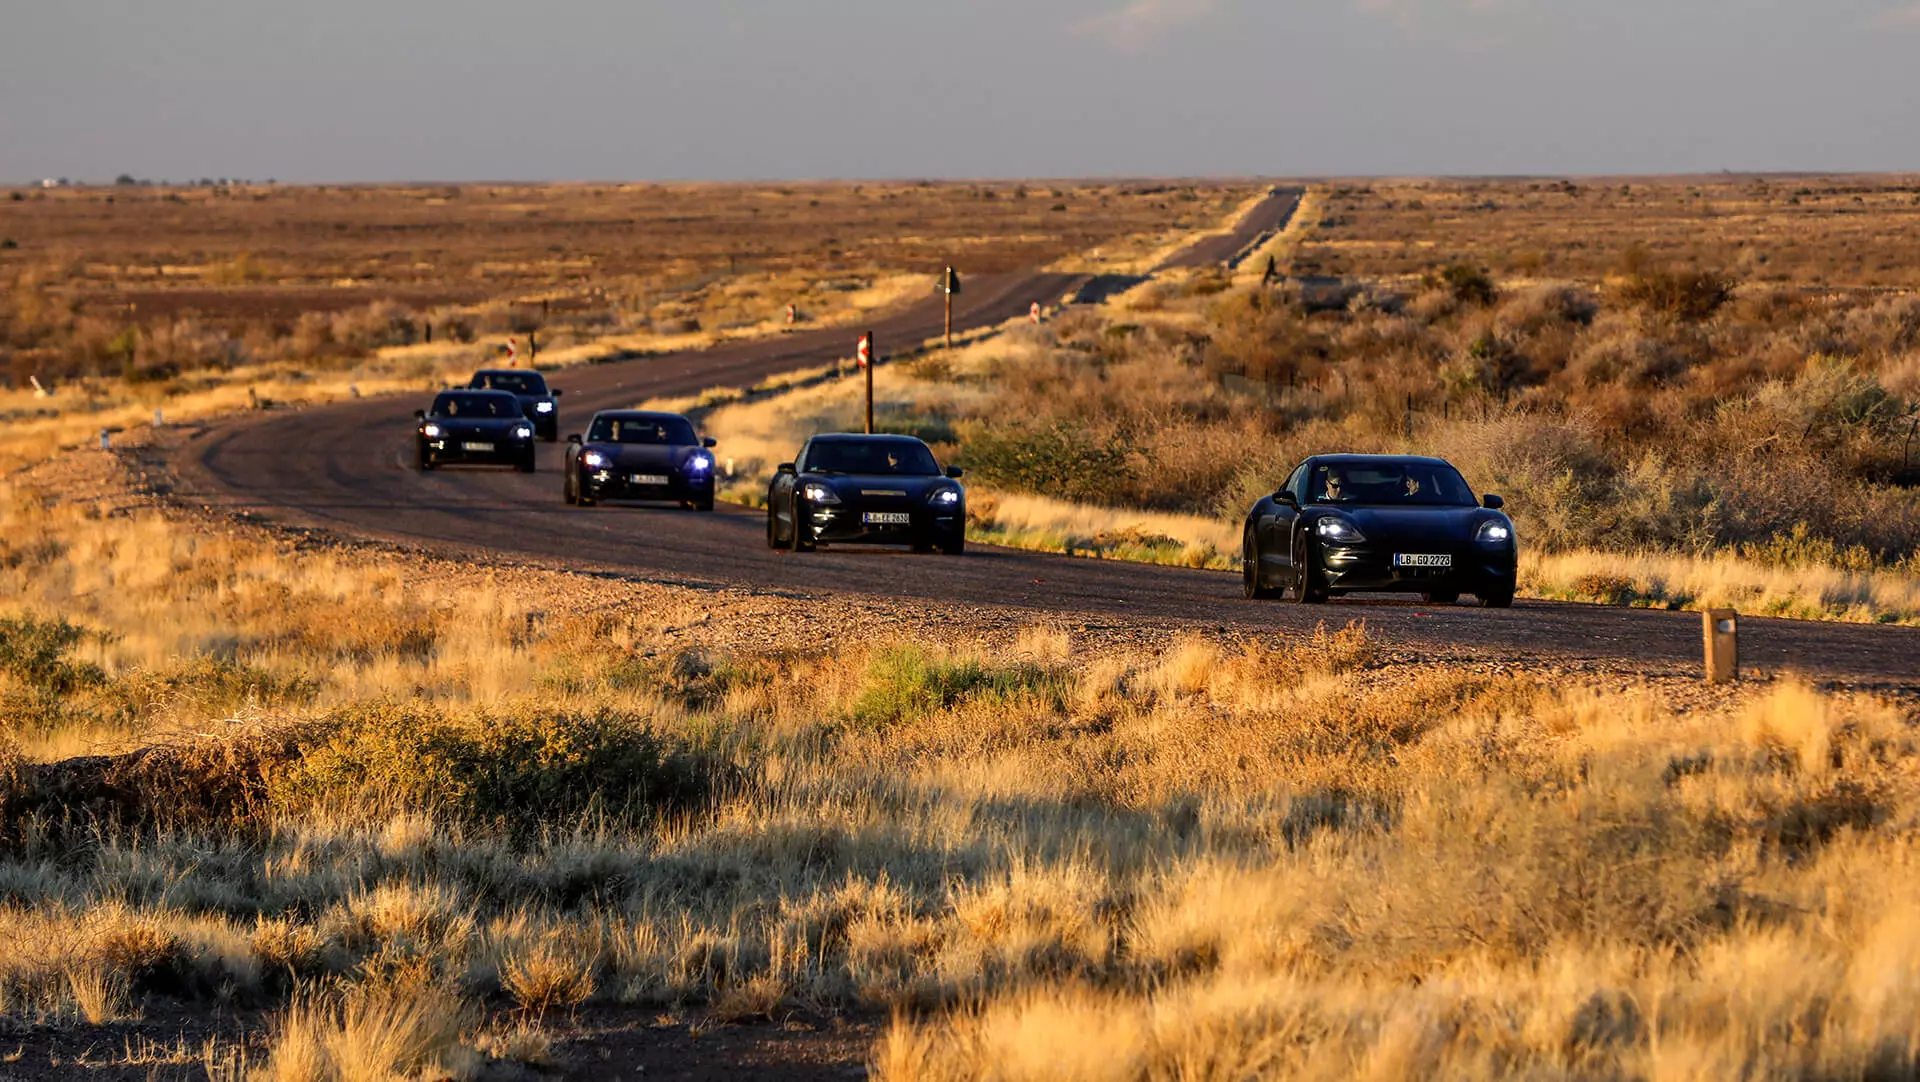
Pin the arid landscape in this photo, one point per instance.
(295, 795)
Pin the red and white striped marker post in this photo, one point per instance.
(863, 356)
(793, 314)
(1033, 313)
(513, 353)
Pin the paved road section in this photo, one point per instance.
(1266, 219)
(347, 468)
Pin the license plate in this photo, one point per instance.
(886, 518)
(476, 447)
(649, 478)
(1411, 559)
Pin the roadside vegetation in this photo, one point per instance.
(403, 823)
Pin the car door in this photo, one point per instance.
(1276, 531)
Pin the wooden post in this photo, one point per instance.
(949, 320)
(533, 347)
(871, 358)
(1722, 633)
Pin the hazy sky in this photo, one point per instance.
(610, 89)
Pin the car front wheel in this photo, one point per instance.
(1498, 595)
(1309, 585)
(801, 542)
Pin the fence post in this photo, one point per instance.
(1722, 631)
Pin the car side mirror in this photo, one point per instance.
(708, 441)
(785, 467)
(419, 415)
(1492, 502)
(1283, 496)
(556, 392)
(574, 438)
(955, 472)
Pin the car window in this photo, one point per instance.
(474, 405)
(902, 458)
(527, 383)
(673, 431)
(1297, 484)
(1389, 483)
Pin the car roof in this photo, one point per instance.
(853, 437)
(508, 372)
(1347, 459)
(639, 415)
(475, 391)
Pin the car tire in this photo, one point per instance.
(1497, 595)
(774, 540)
(801, 542)
(1250, 585)
(426, 462)
(568, 488)
(526, 463)
(1308, 587)
(955, 545)
(1441, 597)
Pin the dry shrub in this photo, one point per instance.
(372, 1036)
(551, 974)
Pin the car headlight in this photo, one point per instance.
(522, 432)
(1494, 533)
(815, 492)
(431, 432)
(944, 497)
(1338, 530)
(699, 463)
(543, 407)
(595, 460)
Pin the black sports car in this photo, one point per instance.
(474, 426)
(538, 403)
(879, 490)
(1388, 523)
(638, 455)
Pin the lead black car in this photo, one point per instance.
(539, 403)
(1388, 523)
(474, 426)
(885, 490)
(640, 455)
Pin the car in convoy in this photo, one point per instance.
(538, 403)
(873, 490)
(640, 455)
(469, 426)
(1388, 523)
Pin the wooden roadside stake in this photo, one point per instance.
(1722, 633)
(864, 357)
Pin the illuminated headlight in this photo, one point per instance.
(815, 492)
(543, 407)
(1494, 533)
(944, 497)
(699, 463)
(596, 460)
(522, 432)
(1339, 531)
(431, 432)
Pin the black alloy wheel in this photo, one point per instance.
(1308, 585)
(1250, 585)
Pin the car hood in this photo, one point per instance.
(476, 425)
(879, 488)
(638, 457)
(1382, 524)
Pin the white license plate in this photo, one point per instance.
(649, 478)
(476, 447)
(1412, 559)
(886, 518)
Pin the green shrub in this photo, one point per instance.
(34, 652)
(1685, 294)
(904, 684)
(1063, 459)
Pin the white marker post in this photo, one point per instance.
(513, 353)
(863, 356)
(1033, 313)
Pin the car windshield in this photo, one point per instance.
(902, 458)
(1389, 483)
(677, 431)
(474, 405)
(518, 382)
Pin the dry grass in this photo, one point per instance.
(1218, 858)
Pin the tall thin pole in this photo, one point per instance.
(873, 356)
(949, 293)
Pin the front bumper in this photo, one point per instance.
(1372, 568)
(841, 525)
(505, 452)
(612, 485)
